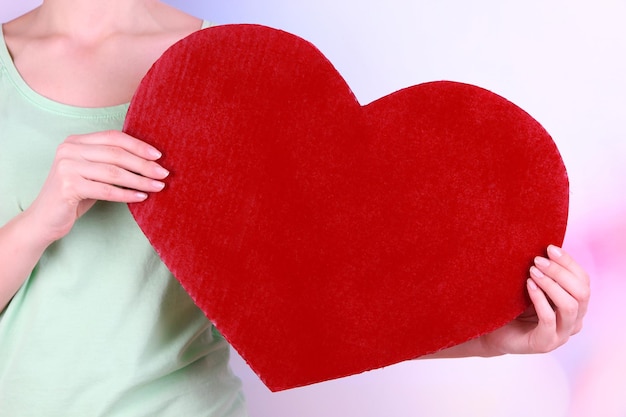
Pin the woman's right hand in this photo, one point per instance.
(110, 165)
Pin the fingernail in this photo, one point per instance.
(158, 185)
(554, 251)
(141, 196)
(536, 272)
(541, 261)
(532, 284)
(155, 152)
(162, 172)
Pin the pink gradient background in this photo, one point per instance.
(565, 63)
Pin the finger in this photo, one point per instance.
(571, 278)
(565, 306)
(545, 334)
(563, 259)
(118, 139)
(111, 155)
(92, 190)
(116, 176)
(76, 187)
(564, 277)
(119, 157)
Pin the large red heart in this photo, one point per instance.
(324, 238)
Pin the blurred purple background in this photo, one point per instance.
(562, 61)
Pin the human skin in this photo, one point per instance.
(559, 289)
(93, 53)
(88, 54)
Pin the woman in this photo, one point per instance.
(92, 323)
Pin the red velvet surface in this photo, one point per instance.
(324, 238)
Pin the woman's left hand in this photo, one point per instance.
(559, 290)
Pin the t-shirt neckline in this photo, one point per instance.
(7, 64)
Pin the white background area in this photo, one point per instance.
(564, 62)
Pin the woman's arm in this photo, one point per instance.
(108, 166)
(559, 290)
(20, 249)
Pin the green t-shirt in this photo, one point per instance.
(100, 328)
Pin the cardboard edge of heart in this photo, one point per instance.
(276, 385)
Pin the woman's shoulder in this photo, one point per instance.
(174, 22)
(90, 67)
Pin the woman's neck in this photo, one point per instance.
(93, 53)
(95, 20)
